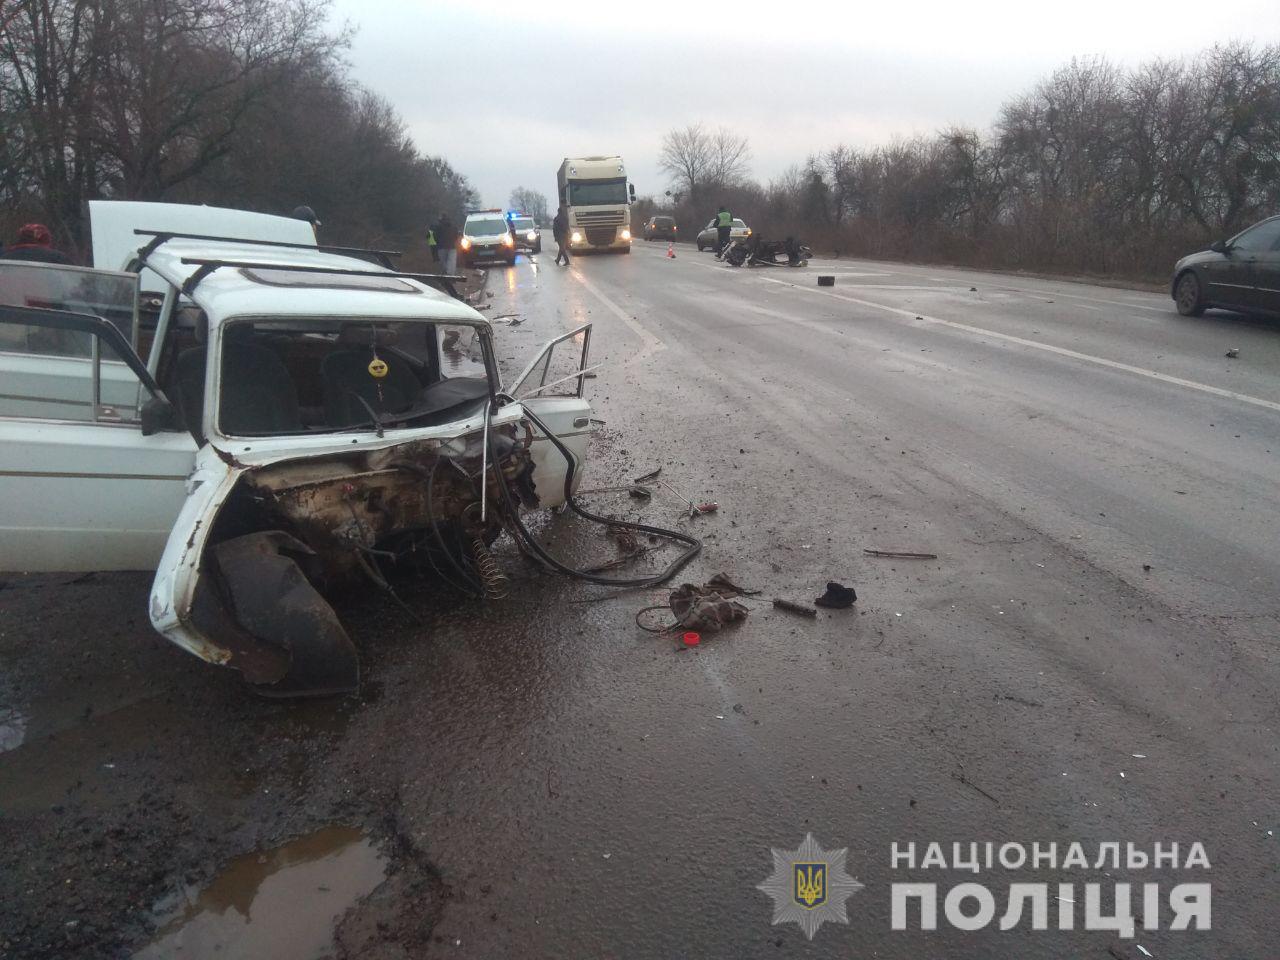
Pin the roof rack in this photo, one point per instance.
(159, 237)
(206, 267)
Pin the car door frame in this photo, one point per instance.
(90, 497)
(567, 415)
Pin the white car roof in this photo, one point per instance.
(232, 291)
(113, 222)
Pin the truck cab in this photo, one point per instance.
(598, 198)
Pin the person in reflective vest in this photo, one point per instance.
(724, 225)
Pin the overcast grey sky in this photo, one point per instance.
(505, 90)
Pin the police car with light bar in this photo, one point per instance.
(486, 236)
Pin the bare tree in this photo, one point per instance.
(730, 155)
(686, 157)
(530, 202)
(180, 77)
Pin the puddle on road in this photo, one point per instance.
(13, 728)
(281, 903)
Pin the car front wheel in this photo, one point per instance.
(1188, 296)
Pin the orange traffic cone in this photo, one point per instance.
(671, 250)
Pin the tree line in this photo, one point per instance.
(1096, 169)
(238, 103)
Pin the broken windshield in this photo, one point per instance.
(282, 377)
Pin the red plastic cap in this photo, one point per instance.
(691, 639)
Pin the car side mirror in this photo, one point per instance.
(157, 414)
(1219, 246)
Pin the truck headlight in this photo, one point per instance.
(575, 237)
(626, 234)
(465, 243)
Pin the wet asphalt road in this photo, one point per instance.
(597, 791)
(547, 780)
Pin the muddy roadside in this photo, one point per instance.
(144, 793)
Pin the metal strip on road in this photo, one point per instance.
(1046, 347)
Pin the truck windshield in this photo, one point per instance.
(584, 193)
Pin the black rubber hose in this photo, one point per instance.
(694, 544)
(472, 586)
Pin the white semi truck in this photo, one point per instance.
(598, 198)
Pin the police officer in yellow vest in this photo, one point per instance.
(724, 224)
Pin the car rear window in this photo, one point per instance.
(662, 221)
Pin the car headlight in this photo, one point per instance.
(626, 234)
(748, 231)
(465, 243)
(575, 237)
(531, 235)
(508, 240)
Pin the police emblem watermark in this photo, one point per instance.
(809, 886)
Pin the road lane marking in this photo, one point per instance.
(651, 343)
(1047, 348)
(1045, 294)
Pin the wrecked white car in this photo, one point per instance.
(286, 420)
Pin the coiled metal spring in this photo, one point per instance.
(495, 582)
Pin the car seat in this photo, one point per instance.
(258, 394)
(347, 379)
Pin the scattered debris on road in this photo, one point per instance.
(1233, 353)
(727, 587)
(837, 597)
(792, 607)
(826, 281)
(707, 608)
(900, 554)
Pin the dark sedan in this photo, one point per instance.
(1242, 273)
(660, 228)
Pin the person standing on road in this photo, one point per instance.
(560, 230)
(724, 227)
(35, 242)
(446, 235)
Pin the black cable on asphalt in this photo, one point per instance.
(693, 543)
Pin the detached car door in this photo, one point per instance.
(81, 486)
